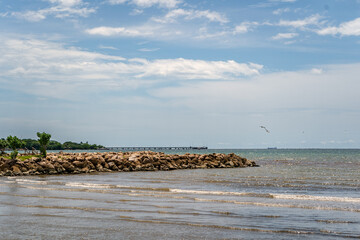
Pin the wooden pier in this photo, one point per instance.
(153, 148)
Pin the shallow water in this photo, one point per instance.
(295, 194)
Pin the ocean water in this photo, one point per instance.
(294, 194)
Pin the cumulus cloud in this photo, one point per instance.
(148, 3)
(34, 65)
(171, 16)
(350, 28)
(59, 9)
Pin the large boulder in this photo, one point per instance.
(68, 167)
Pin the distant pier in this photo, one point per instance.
(153, 148)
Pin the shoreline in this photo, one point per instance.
(89, 162)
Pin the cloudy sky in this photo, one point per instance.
(182, 72)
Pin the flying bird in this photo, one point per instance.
(265, 129)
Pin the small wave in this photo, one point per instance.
(144, 188)
(9, 181)
(335, 221)
(88, 185)
(270, 195)
(110, 186)
(28, 181)
(316, 198)
(158, 221)
(281, 205)
(204, 192)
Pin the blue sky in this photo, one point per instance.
(180, 72)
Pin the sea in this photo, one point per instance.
(294, 194)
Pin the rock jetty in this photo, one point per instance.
(74, 163)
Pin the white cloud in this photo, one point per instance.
(149, 30)
(316, 71)
(281, 11)
(284, 1)
(114, 2)
(302, 23)
(119, 31)
(280, 36)
(162, 32)
(148, 49)
(32, 16)
(108, 47)
(244, 27)
(59, 9)
(199, 69)
(191, 14)
(350, 28)
(32, 66)
(204, 33)
(336, 89)
(135, 12)
(149, 3)
(66, 3)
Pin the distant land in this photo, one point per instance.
(55, 145)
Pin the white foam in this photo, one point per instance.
(123, 186)
(88, 185)
(316, 198)
(203, 192)
(28, 181)
(282, 205)
(270, 195)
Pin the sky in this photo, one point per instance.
(182, 72)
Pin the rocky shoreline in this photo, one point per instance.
(75, 163)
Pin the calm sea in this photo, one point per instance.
(295, 194)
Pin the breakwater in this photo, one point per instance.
(74, 163)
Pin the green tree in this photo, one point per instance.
(3, 145)
(31, 143)
(55, 145)
(44, 139)
(14, 144)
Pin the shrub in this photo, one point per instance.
(3, 145)
(14, 143)
(44, 139)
